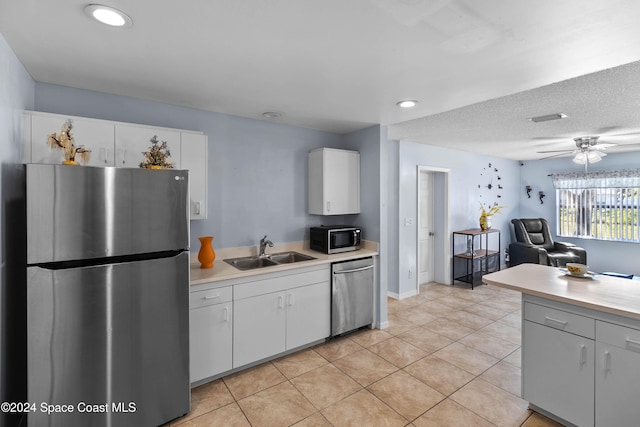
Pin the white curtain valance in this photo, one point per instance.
(623, 178)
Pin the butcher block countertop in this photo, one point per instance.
(223, 271)
(604, 293)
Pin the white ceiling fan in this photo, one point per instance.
(587, 150)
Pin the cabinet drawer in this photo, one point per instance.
(620, 336)
(558, 319)
(210, 297)
(281, 283)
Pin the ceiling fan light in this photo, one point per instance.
(594, 156)
(580, 158)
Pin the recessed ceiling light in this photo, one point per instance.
(548, 117)
(108, 15)
(407, 103)
(272, 114)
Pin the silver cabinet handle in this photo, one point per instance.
(207, 297)
(562, 323)
(354, 270)
(197, 208)
(291, 300)
(607, 361)
(226, 314)
(280, 301)
(583, 354)
(328, 206)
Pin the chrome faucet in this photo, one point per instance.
(263, 245)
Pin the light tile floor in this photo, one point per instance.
(450, 357)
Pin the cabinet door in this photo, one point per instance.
(259, 328)
(341, 182)
(210, 340)
(617, 385)
(132, 141)
(557, 372)
(193, 157)
(308, 314)
(94, 135)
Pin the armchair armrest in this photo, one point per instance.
(570, 247)
(520, 253)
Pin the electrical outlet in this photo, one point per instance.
(410, 273)
(408, 222)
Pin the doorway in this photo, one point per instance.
(432, 226)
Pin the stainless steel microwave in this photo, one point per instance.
(332, 239)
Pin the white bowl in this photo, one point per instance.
(576, 269)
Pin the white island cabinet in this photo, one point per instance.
(121, 145)
(334, 182)
(580, 344)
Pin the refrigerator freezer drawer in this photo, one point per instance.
(114, 334)
(79, 213)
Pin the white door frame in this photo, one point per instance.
(442, 243)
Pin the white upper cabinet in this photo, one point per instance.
(334, 182)
(132, 141)
(121, 145)
(95, 135)
(193, 156)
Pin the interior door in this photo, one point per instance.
(425, 227)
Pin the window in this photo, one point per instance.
(601, 205)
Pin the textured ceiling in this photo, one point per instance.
(605, 104)
(339, 65)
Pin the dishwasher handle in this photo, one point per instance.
(368, 267)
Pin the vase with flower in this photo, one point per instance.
(487, 214)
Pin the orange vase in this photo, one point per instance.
(207, 255)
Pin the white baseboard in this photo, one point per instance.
(402, 296)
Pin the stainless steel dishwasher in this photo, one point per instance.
(352, 295)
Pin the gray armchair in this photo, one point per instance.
(535, 245)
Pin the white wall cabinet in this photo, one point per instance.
(280, 313)
(334, 182)
(210, 332)
(193, 156)
(98, 136)
(121, 145)
(132, 141)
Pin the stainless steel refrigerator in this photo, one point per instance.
(107, 295)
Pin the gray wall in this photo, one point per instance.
(16, 94)
(601, 255)
(468, 177)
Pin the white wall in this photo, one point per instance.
(16, 94)
(469, 175)
(601, 255)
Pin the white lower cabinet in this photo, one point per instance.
(210, 332)
(581, 365)
(259, 328)
(617, 375)
(278, 314)
(557, 372)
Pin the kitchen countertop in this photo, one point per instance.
(604, 293)
(223, 271)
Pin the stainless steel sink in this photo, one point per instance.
(250, 262)
(253, 262)
(289, 257)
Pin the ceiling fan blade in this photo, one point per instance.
(555, 151)
(555, 155)
(604, 146)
